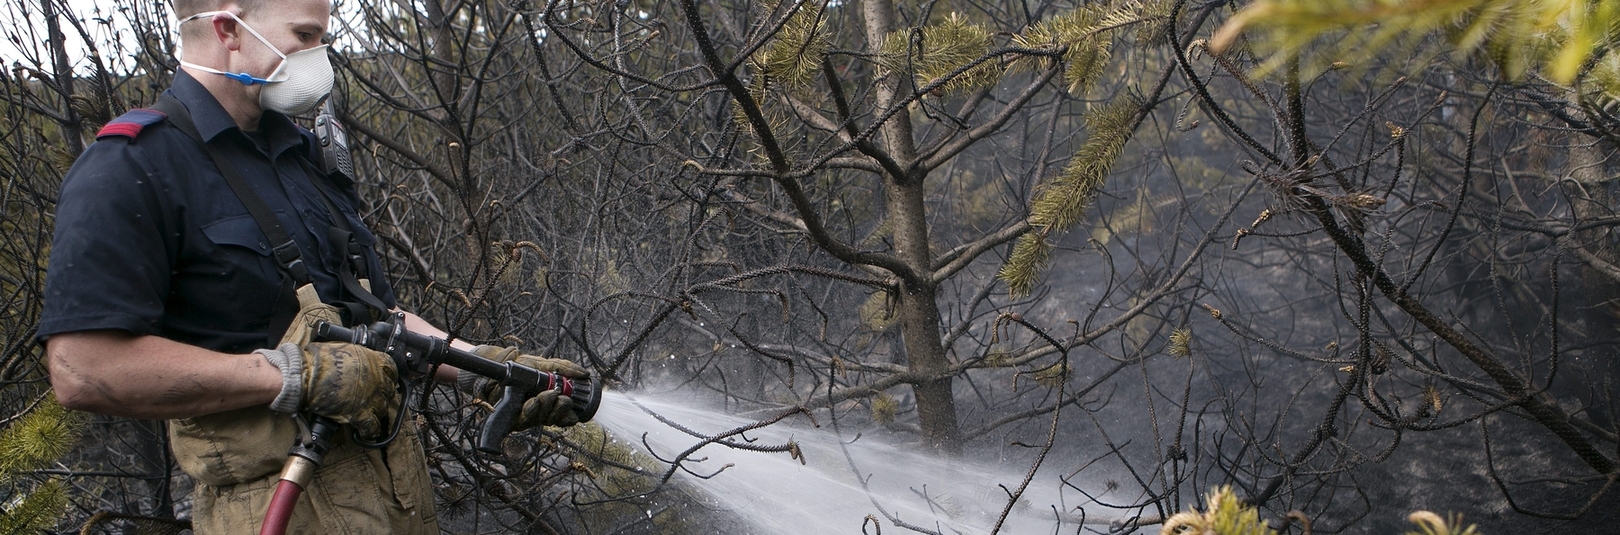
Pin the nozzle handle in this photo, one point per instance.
(500, 421)
(585, 397)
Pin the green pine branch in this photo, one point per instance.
(44, 435)
(37, 511)
(793, 57)
(41, 436)
(1224, 514)
(1087, 34)
(1062, 202)
(936, 51)
(1432, 524)
(1556, 38)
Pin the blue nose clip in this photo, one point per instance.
(245, 78)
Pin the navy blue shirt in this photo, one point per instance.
(151, 240)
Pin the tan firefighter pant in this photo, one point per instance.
(236, 457)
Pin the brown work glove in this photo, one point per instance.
(545, 408)
(348, 383)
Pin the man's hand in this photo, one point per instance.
(348, 383)
(545, 408)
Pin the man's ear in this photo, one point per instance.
(227, 31)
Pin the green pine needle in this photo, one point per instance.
(1087, 32)
(1061, 203)
(42, 436)
(1180, 343)
(1078, 29)
(1556, 37)
(38, 511)
(1432, 524)
(938, 51)
(1224, 514)
(794, 55)
(1029, 259)
(884, 408)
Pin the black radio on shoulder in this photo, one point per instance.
(334, 142)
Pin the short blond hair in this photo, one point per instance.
(187, 8)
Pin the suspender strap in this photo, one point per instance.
(347, 272)
(291, 266)
(341, 236)
(283, 247)
(294, 273)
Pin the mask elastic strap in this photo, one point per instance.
(245, 78)
(244, 25)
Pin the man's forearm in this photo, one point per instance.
(118, 374)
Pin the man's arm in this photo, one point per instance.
(116, 373)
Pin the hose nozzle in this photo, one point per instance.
(587, 398)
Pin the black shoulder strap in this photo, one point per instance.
(285, 250)
(293, 271)
(341, 235)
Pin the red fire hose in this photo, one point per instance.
(286, 497)
(302, 461)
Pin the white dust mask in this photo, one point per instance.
(296, 86)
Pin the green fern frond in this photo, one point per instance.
(1062, 202)
(794, 55)
(938, 51)
(42, 436)
(38, 511)
(1224, 514)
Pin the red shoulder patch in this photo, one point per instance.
(131, 123)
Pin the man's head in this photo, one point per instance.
(219, 37)
(186, 8)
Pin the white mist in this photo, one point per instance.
(778, 495)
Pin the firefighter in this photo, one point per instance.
(195, 244)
